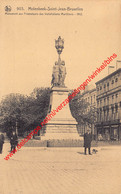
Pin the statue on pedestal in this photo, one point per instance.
(55, 75)
(62, 73)
(59, 69)
(59, 74)
(60, 128)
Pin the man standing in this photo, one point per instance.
(13, 141)
(1, 142)
(87, 141)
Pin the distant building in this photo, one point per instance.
(109, 106)
(89, 95)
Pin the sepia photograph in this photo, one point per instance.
(60, 97)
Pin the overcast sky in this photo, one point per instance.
(27, 44)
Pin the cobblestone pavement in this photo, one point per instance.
(61, 171)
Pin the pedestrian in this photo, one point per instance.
(1, 142)
(15, 140)
(12, 141)
(87, 142)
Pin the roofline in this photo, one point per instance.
(89, 91)
(118, 70)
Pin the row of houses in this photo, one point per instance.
(106, 97)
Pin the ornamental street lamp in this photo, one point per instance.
(59, 45)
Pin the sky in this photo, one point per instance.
(27, 43)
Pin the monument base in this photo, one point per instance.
(62, 126)
(61, 131)
(58, 143)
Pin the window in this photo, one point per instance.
(108, 100)
(100, 102)
(104, 101)
(94, 98)
(112, 98)
(112, 82)
(100, 115)
(107, 114)
(104, 87)
(104, 115)
(116, 95)
(97, 89)
(112, 110)
(116, 79)
(116, 107)
(100, 87)
(108, 84)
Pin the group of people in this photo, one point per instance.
(13, 141)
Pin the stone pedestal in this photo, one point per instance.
(62, 126)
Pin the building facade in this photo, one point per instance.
(108, 98)
(89, 95)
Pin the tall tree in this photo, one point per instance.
(82, 111)
(12, 111)
(39, 106)
(26, 111)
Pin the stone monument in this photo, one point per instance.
(62, 126)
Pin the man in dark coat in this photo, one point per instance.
(87, 142)
(1, 142)
(13, 141)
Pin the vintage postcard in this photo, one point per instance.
(60, 97)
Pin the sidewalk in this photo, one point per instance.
(61, 171)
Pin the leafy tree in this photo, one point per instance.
(82, 111)
(39, 106)
(25, 111)
(12, 111)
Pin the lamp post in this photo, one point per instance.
(59, 45)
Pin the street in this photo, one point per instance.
(61, 171)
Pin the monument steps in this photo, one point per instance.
(61, 136)
(68, 130)
(57, 143)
